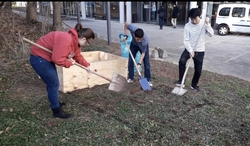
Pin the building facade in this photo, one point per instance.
(137, 12)
(143, 11)
(133, 12)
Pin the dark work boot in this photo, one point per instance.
(62, 103)
(58, 112)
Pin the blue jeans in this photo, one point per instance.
(47, 71)
(134, 49)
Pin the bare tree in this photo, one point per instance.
(31, 12)
(1, 4)
(8, 5)
(57, 22)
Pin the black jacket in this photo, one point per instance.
(162, 13)
(175, 12)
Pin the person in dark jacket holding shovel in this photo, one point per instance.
(139, 43)
(193, 31)
(66, 49)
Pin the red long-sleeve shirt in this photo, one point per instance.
(61, 44)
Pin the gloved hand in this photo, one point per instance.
(72, 61)
(207, 20)
(138, 66)
(191, 54)
(125, 37)
(71, 55)
(90, 69)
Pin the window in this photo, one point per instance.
(224, 11)
(249, 13)
(238, 12)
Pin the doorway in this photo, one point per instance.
(149, 11)
(183, 7)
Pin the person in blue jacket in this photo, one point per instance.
(139, 43)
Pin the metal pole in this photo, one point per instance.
(108, 22)
(149, 11)
(78, 12)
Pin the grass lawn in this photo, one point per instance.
(218, 115)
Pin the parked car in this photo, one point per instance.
(233, 18)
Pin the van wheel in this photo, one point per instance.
(223, 30)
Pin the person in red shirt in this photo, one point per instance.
(66, 50)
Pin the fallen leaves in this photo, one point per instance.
(10, 110)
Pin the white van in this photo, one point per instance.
(233, 18)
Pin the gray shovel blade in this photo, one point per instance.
(118, 83)
(179, 91)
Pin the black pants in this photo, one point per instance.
(198, 62)
(161, 22)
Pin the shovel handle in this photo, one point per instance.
(77, 64)
(41, 47)
(133, 59)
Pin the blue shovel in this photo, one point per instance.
(143, 81)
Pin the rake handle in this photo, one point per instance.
(77, 64)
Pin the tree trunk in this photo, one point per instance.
(1, 4)
(31, 12)
(8, 5)
(57, 21)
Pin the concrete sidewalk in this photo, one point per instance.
(226, 55)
